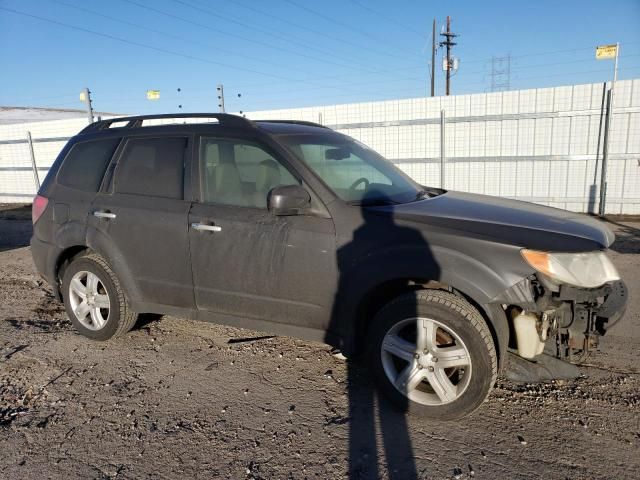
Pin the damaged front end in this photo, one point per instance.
(548, 319)
(563, 320)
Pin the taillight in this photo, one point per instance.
(39, 205)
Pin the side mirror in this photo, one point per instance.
(288, 200)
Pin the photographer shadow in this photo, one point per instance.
(373, 420)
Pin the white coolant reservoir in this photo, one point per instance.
(525, 325)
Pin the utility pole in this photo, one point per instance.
(220, 97)
(433, 59)
(448, 35)
(85, 97)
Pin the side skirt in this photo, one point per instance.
(294, 331)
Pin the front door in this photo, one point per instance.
(246, 261)
(144, 218)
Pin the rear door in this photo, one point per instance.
(72, 189)
(143, 213)
(247, 261)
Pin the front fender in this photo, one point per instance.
(476, 280)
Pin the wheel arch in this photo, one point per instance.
(98, 243)
(383, 293)
(65, 257)
(462, 273)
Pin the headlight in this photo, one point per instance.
(586, 270)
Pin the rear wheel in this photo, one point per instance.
(432, 353)
(94, 299)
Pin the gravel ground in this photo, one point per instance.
(177, 398)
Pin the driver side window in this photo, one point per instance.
(240, 173)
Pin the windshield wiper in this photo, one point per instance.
(428, 192)
(422, 194)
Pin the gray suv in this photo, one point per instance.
(295, 229)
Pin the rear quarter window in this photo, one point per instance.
(85, 164)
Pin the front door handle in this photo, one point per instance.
(201, 227)
(103, 214)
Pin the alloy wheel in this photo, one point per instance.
(426, 361)
(89, 300)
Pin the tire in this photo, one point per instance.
(106, 313)
(459, 370)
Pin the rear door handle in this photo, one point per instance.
(201, 227)
(103, 214)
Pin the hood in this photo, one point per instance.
(507, 221)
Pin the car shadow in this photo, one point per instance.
(15, 226)
(627, 237)
(379, 440)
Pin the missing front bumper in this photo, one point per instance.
(573, 319)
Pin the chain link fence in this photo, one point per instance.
(539, 145)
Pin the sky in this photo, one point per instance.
(291, 53)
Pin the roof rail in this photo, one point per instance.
(295, 122)
(136, 121)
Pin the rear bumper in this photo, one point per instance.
(45, 256)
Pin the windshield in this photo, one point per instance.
(357, 174)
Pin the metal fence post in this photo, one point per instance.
(36, 178)
(605, 155)
(85, 96)
(442, 150)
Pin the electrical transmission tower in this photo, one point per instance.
(500, 73)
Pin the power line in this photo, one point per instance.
(160, 32)
(389, 19)
(142, 45)
(349, 27)
(419, 88)
(235, 35)
(356, 85)
(360, 83)
(167, 34)
(147, 46)
(307, 28)
(296, 40)
(152, 47)
(414, 90)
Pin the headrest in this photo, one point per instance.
(227, 178)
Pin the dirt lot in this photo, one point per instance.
(177, 398)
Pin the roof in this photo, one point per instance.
(223, 119)
(279, 127)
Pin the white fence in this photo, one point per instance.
(539, 145)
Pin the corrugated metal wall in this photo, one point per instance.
(540, 145)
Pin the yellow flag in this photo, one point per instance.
(604, 52)
(153, 94)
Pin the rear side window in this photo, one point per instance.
(152, 167)
(84, 165)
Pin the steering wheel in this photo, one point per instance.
(358, 182)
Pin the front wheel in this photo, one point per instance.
(432, 353)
